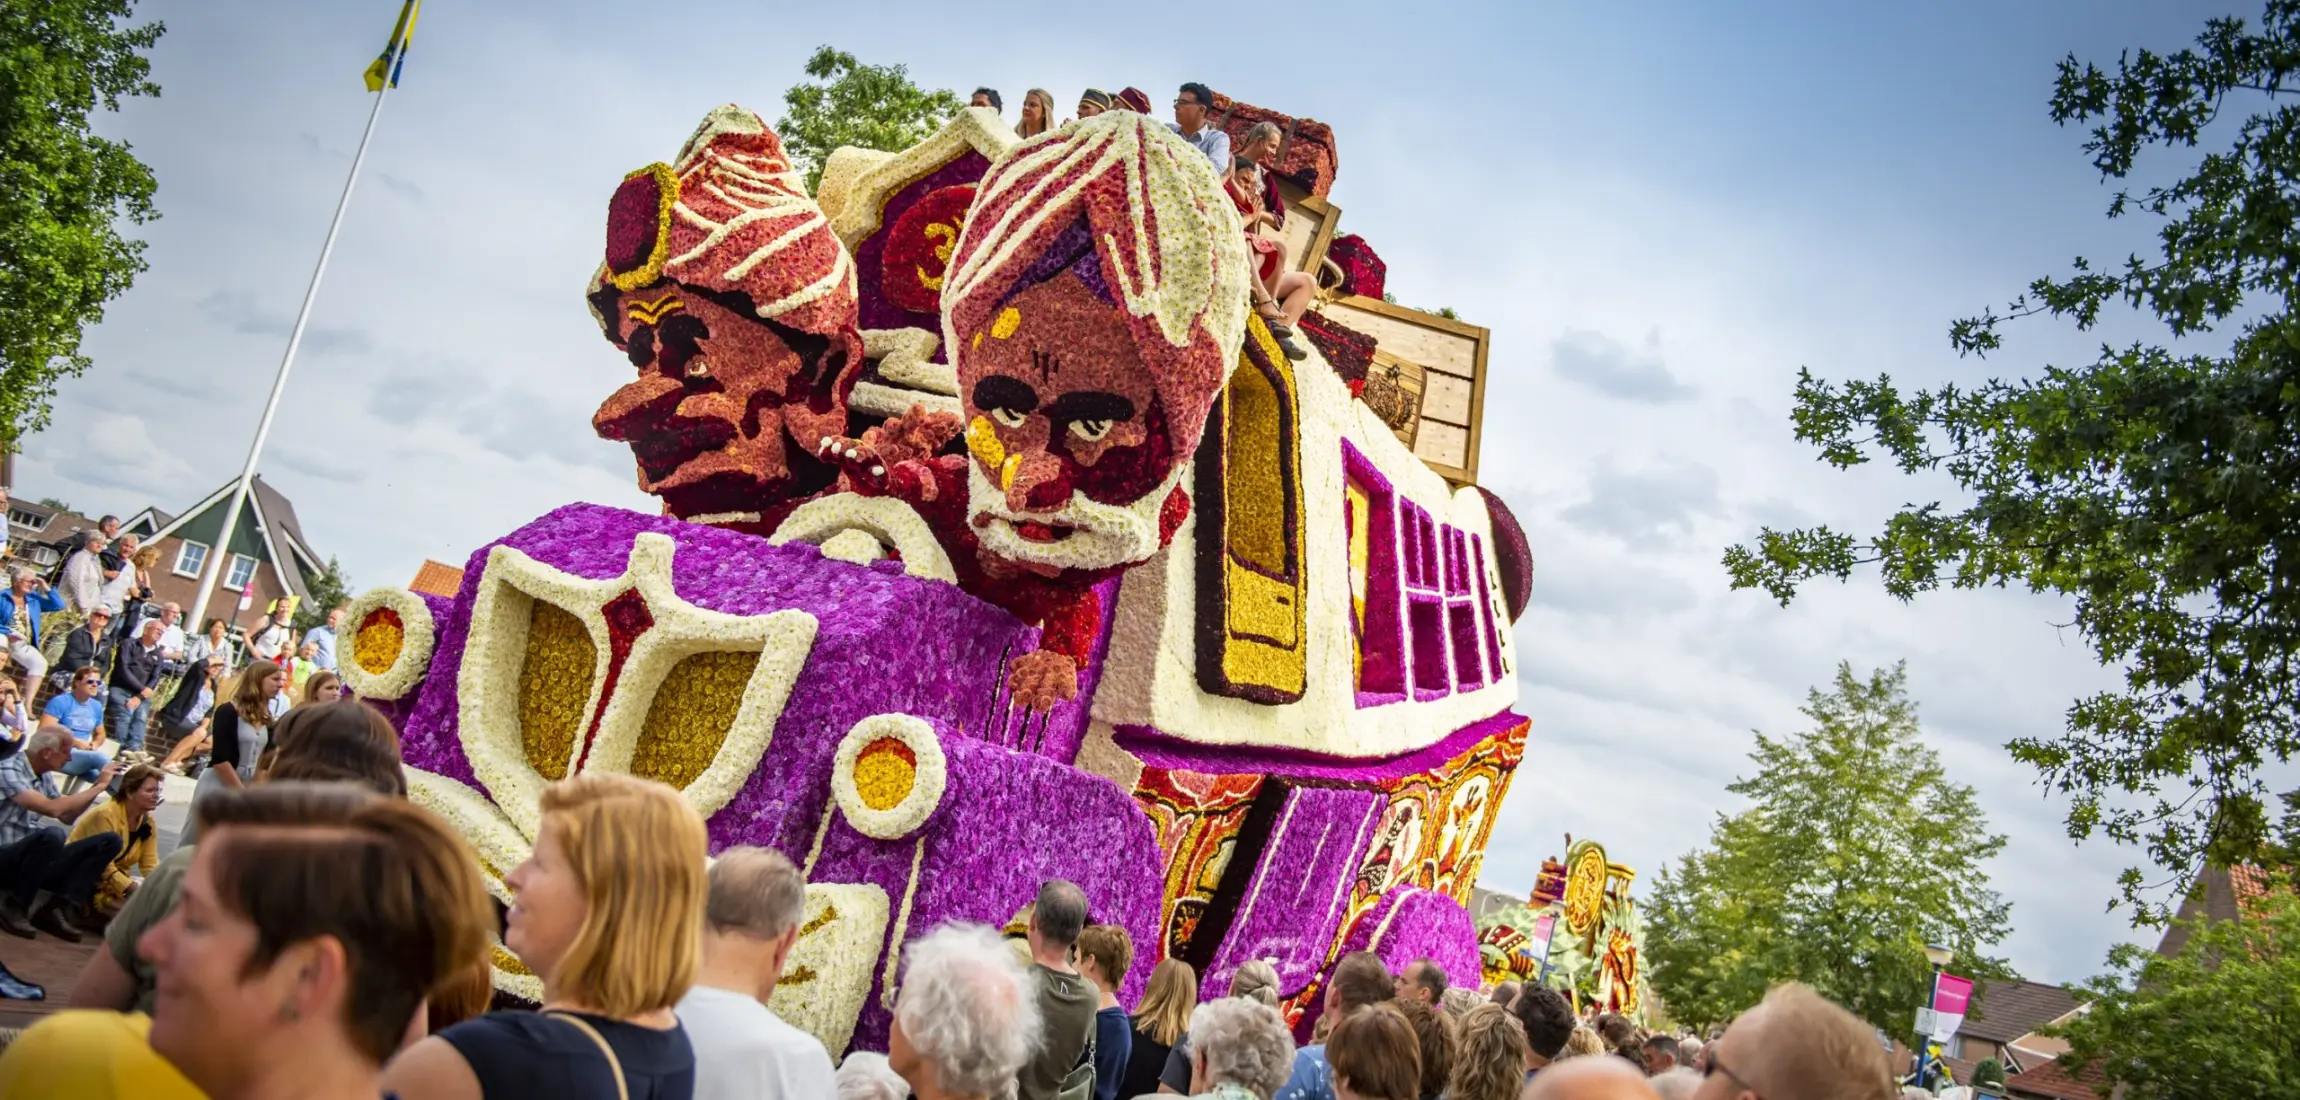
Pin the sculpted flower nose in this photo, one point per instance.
(1036, 483)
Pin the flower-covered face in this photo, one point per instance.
(1069, 444)
(706, 416)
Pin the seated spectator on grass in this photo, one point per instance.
(1105, 953)
(171, 618)
(1239, 1048)
(215, 639)
(300, 950)
(29, 601)
(987, 97)
(15, 723)
(127, 816)
(743, 1051)
(1191, 105)
(79, 711)
(36, 859)
(608, 912)
(966, 1018)
(348, 746)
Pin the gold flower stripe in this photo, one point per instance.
(692, 711)
(554, 683)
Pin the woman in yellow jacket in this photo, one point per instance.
(129, 816)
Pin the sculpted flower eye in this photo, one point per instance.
(1011, 418)
(1091, 431)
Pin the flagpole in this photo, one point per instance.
(216, 557)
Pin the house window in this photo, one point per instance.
(191, 557)
(243, 571)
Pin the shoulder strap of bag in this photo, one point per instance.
(622, 1087)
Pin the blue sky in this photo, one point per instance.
(1662, 211)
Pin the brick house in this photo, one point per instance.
(269, 556)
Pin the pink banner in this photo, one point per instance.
(1951, 994)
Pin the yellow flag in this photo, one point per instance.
(394, 56)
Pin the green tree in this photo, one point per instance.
(872, 106)
(1856, 853)
(329, 589)
(63, 190)
(2220, 1019)
(2157, 488)
(1988, 1072)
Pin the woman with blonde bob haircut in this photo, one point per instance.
(1489, 1056)
(608, 912)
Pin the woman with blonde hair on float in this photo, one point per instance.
(1037, 113)
(608, 912)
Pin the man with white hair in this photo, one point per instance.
(84, 573)
(35, 860)
(743, 1051)
(967, 1017)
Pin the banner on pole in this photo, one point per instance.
(1951, 995)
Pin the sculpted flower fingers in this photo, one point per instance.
(1041, 678)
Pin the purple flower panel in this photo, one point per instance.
(1008, 822)
(1164, 750)
(1407, 924)
(885, 641)
(1294, 906)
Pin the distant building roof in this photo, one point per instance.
(275, 520)
(438, 579)
(2050, 1082)
(2008, 1009)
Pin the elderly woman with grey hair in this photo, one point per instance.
(1239, 1049)
(967, 1017)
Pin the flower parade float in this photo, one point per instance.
(999, 543)
(1579, 932)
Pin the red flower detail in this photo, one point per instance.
(918, 248)
(627, 618)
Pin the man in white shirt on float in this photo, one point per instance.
(743, 1051)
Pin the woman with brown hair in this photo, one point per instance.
(239, 729)
(1375, 1056)
(1160, 1021)
(608, 912)
(128, 816)
(322, 688)
(1489, 1056)
(1434, 1038)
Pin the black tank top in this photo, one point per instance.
(524, 1054)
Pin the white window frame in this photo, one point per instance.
(233, 570)
(184, 550)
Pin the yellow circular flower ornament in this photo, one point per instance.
(392, 635)
(888, 775)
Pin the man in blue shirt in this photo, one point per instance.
(1190, 109)
(79, 711)
(324, 637)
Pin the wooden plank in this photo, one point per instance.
(1452, 354)
(1309, 229)
(1443, 443)
(1446, 397)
